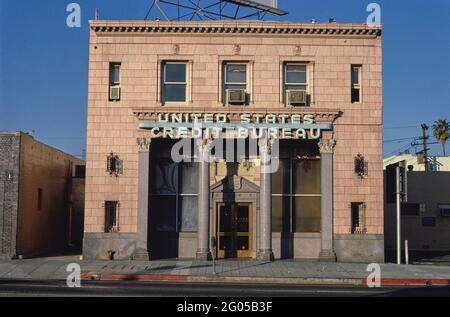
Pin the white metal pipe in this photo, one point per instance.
(406, 252)
(398, 216)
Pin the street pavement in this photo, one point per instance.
(22, 288)
(245, 271)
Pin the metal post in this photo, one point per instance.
(406, 252)
(398, 215)
(425, 148)
(213, 254)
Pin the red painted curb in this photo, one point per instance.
(412, 282)
(137, 277)
(185, 278)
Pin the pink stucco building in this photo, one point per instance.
(316, 89)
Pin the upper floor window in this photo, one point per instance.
(175, 82)
(236, 83)
(296, 84)
(114, 81)
(356, 84)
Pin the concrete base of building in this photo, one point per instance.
(266, 255)
(4, 257)
(98, 246)
(141, 255)
(348, 248)
(327, 256)
(202, 255)
(367, 248)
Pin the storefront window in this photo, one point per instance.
(173, 191)
(296, 192)
(307, 177)
(307, 214)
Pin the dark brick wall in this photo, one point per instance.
(9, 192)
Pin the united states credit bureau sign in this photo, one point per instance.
(284, 126)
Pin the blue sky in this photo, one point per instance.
(43, 63)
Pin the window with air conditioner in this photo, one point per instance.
(356, 84)
(295, 84)
(174, 82)
(114, 82)
(236, 83)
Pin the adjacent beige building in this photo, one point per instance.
(417, 163)
(41, 197)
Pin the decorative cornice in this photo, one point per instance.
(233, 27)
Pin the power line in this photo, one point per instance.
(403, 149)
(400, 140)
(401, 127)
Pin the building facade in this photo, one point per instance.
(417, 162)
(425, 216)
(297, 109)
(41, 198)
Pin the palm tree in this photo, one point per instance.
(441, 130)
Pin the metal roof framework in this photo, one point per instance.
(211, 10)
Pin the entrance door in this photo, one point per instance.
(234, 236)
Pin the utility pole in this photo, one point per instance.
(424, 143)
(398, 214)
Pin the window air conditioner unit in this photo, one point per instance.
(236, 96)
(114, 93)
(296, 97)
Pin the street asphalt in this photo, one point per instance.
(21, 288)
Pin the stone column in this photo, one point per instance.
(142, 252)
(327, 253)
(265, 214)
(204, 148)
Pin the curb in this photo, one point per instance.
(412, 282)
(134, 277)
(260, 280)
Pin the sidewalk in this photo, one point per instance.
(285, 272)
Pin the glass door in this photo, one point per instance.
(234, 234)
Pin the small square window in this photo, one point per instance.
(111, 216)
(445, 210)
(358, 218)
(80, 171)
(114, 82)
(39, 199)
(114, 74)
(356, 84)
(175, 82)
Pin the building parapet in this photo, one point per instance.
(237, 27)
